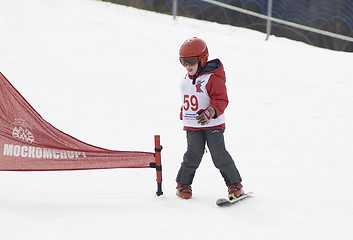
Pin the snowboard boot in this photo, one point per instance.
(184, 191)
(235, 191)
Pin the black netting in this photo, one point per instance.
(335, 16)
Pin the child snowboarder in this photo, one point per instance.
(204, 101)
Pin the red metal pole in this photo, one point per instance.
(158, 149)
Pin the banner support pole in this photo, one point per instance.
(158, 149)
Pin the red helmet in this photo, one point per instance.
(194, 47)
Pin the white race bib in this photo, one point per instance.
(195, 97)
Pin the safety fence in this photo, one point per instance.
(322, 23)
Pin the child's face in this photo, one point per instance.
(191, 69)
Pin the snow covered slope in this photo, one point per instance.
(109, 75)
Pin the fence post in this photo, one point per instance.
(269, 15)
(175, 8)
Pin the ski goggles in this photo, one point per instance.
(188, 60)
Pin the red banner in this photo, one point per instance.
(29, 143)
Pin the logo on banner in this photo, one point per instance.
(22, 131)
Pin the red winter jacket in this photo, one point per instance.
(216, 90)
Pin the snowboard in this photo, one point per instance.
(226, 202)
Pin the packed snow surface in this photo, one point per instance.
(109, 75)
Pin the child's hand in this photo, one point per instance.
(204, 115)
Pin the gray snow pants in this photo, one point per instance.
(195, 149)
